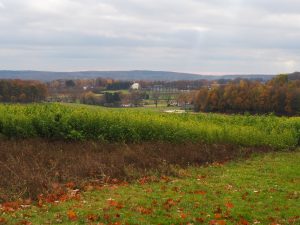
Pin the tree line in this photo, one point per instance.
(22, 91)
(280, 95)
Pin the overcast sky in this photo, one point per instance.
(199, 36)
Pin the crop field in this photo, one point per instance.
(56, 121)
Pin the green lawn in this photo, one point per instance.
(123, 91)
(260, 190)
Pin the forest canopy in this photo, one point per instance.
(22, 91)
(280, 95)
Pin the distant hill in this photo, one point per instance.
(294, 76)
(120, 75)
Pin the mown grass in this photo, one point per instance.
(261, 190)
(54, 121)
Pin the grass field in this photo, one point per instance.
(261, 190)
(55, 121)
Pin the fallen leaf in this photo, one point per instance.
(2, 220)
(24, 222)
(200, 220)
(10, 206)
(117, 223)
(92, 217)
(143, 210)
(243, 222)
(201, 177)
(115, 204)
(170, 203)
(229, 205)
(245, 195)
(199, 192)
(183, 216)
(218, 216)
(72, 215)
(217, 222)
(218, 210)
(70, 185)
(106, 217)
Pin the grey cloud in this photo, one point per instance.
(189, 35)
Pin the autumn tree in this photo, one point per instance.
(280, 95)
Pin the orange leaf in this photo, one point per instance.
(199, 192)
(218, 216)
(217, 222)
(183, 216)
(143, 210)
(229, 205)
(72, 215)
(169, 203)
(243, 222)
(117, 223)
(201, 177)
(115, 204)
(2, 220)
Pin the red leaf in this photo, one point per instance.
(92, 217)
(10, 206)
(70, 185)
(24, 222)
(201, 220)
(106, 217)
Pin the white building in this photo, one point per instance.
(135, 86)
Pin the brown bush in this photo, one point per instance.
(31, 167)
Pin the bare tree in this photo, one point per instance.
(155, 97)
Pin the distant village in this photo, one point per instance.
(116, 93)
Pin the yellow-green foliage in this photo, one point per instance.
(55, 121)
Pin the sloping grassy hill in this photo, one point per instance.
(261, 190)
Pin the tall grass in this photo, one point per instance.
(55, 121)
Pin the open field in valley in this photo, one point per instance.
(76, 164)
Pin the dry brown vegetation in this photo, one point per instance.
(32, 167)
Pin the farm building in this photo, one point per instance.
(135, 86)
